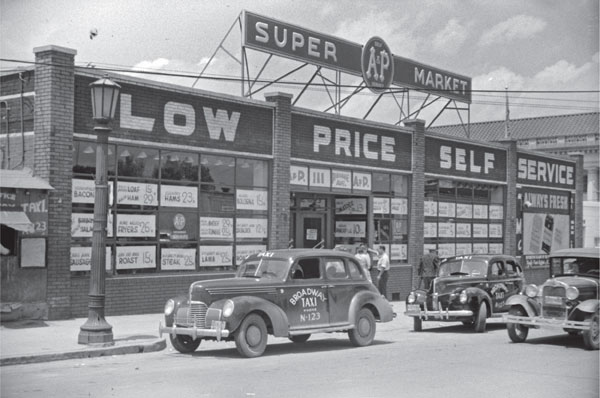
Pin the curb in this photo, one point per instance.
(158, 345)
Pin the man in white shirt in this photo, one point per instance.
(364, 259)
(383, 266)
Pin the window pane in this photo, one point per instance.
(137, 162)
(400, 185)
(84, 158)
(252, 172)
(381, 183)
(179, 166)
(217, 169)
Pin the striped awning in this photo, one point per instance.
(16, 220)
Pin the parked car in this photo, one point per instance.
(285, 293)
(568, 300)
(468, 289)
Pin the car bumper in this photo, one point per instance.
(415, 310)
(547, 322)
(217, 331)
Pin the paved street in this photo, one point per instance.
(444, 360)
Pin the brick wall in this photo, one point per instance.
(53, 125)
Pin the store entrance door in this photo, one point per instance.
(310, 230)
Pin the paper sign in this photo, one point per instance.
(178, 196)
(134, 193)
(216, 256)
(81, 258)
(136, 225)
(251, 228)
(135, 257)
(216, 228)
(251, 200)
(177, 259)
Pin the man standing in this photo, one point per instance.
(383, 266)
(428, 268)
(364, 259)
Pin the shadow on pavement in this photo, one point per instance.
(430, 327)
(24, 324)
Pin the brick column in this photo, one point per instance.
(417, 192)
(578, 200)
(53, 154)
(510, 205)
(279, 214)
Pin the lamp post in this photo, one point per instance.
(105, 94)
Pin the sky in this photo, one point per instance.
(542, 54)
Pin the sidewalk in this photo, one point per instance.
(23, 342)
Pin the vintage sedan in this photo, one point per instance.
(568, 300)
(285, 293)
(468, 289)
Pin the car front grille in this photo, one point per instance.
(195, 314)
(553, 302)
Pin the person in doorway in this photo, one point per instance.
(383, 266)
(364, 260)
(428, 268)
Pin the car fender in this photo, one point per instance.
(589, 306)
(480, 295)
(528, 304)
(244, 305)
(180, 301)
(384, 311)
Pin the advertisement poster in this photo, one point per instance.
(480, 248)
(430, 208)
(495, 230)
(381, 205)
(84, 191)
(320, 178)
(299, 175)
(172, 259)
(463, 230)
(178, 226)
(135, 193)
(252, 200)
(243, 251)
(341, 179)
(361, 181)
(81, 258)
(446, 230)
(446, 250)
(543, 232)
(464, 210)
(35, 205)
(480, 230)
(82, 225)
(463, 248)
(136, 225)
(496, 248)
(446, 209)
(178, 196)
(135, 257)
(351, 206)
(350, 229)
(398, 251)
(430, 230)
(400, 206)
(496, 212)
(251, 228)
(216, 256)
(216, 228)
(480, 211)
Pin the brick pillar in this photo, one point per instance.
(279, 214)
(510, 206)
(53, 154)
(417, 192)
(578, 200)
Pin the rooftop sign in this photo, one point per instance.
(290, 41)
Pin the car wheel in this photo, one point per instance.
(301, 338)
(417, 324)
(517, 333)
(480, 318)
(251, 337)
(363, 333)
(590, 337)
(184, 344)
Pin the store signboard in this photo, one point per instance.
(544, 171)
(291, 41)
(341, 179)
(342, 142)
(461, 159)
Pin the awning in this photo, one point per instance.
(22, 179)
(16, 220)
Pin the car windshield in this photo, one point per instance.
(263, 268)
(575, 266)
(463, 267)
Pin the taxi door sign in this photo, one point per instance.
(307, 307)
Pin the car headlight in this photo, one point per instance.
(169, 307)
(462, 297)
(572, 293)
(531, 291)
(411, 298)
(228, 308)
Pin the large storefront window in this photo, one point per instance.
(171, 211)
(463, 217)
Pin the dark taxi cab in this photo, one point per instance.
(467, 289)
(284, 293)
(568, 300)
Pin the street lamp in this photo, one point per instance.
(105, 94)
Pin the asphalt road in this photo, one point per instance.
(444, 360)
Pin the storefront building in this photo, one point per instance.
(199, 180)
